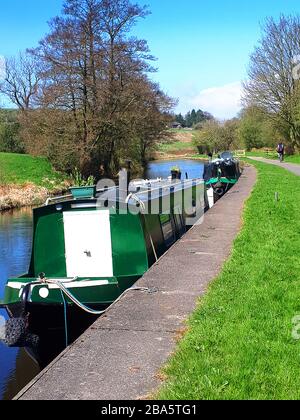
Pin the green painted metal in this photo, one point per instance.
(128, 245)
(49, 246)
(153, 237)
(83, 192)
(213, 181)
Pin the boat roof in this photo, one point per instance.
(142, 190)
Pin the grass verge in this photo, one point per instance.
(239, 344)
(23, 169)
(176, 146)
(180, 143)
(289, 159)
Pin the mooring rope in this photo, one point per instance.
(86, 308)
(65, 318)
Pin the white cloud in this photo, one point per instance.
(223, 102)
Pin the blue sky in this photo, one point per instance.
(202, 47)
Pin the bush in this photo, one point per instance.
(10, 141)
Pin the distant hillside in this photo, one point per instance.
(181, 144)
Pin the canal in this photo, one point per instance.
(162, 169)
(16, 368)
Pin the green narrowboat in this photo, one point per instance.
(88, 250)
(220, 175)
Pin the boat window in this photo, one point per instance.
(227, 155)
(168, 229)
(179, 224)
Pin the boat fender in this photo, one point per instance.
(219, 191)
(16, 334)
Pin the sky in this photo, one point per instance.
(202, 47)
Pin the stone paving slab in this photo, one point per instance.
(120, 356)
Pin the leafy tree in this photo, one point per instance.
(215, 137)
(273, 82)
(206, 139)
(192, 118)
(180, 119)
(10, 140)
(257, 129)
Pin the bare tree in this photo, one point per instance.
(21, 81)
(272, 85)
(94, 81)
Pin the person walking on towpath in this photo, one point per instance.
(280, 151)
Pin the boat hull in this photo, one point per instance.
(57, 321)
(48, 323)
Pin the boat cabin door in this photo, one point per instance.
(88, 244)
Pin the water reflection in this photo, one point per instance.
(162, 169)
(16, 367)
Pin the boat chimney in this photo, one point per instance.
(175, 173)
(128, 168)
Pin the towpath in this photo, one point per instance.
(292, 167)
(120, 356)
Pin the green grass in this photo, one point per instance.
(181, 142)
(176, 147)
(22, 169)
(181, 130)
(290, 159)
(239, 344)
(293, 159)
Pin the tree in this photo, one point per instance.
(257, 129)
(215, 137)
(21, 81)
(10, 141)
(96, 104)
(192, 118)
(230, 134)
(180, 119)
(206, 139)
(151, 119)
(272, 84)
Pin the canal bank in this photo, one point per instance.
(120, 356)
(27, 181)
(18, 196)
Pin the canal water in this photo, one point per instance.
(17, 369)
(162, 169)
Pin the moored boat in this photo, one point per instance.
(91, 247)
(220, 175)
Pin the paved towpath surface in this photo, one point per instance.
(292, 167)
(120, 356)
